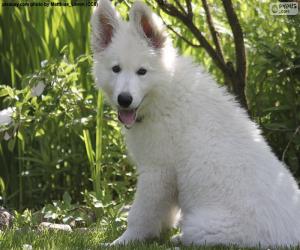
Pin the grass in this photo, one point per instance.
(77, 240)
(92, 239)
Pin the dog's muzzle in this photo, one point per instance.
(130, 116)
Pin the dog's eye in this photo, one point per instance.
(116, 69)
(141, 71)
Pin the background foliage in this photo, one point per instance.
(52, 146)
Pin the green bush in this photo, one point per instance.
(46, 139)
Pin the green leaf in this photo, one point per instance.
(6, 90)
(67, 198)
(274, 125)
(40, 132)
(20, 136)
(279, 108)
(11, 144)
(3, 92)
(2, 186)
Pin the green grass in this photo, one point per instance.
(75, 240)
(16, 239)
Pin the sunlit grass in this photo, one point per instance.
(93, 239)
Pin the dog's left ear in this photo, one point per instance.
(148, 25)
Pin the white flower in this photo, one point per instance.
(44, 63)
(5, 116)
(38, 89)
(27, 247)
(6, 136)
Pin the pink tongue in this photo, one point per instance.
(127, 117)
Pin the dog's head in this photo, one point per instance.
(130, 58)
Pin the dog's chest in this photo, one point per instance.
(151, 146)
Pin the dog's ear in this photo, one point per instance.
(148, 24)
(104, 22)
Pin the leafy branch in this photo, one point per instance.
(235, 74)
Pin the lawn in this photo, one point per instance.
(25, 240)
(91, 239)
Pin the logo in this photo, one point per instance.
(288, 8)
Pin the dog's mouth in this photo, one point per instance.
(130, 116)
(127, 116)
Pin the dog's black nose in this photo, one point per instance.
(124, 99)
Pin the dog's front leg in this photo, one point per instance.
(153, 208)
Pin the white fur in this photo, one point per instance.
(195, 149)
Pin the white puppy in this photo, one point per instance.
(194, 147)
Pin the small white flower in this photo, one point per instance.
(6, 136)
(44, 63)
(27, 247)
(5, 116)
(38, 89)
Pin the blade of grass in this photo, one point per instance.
(99, 126)
(89, 151)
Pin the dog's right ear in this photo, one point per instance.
(104, 22)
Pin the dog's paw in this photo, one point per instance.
(114, 243)
(130, 236)
(118, 242)
(125, 238)
(104, 245)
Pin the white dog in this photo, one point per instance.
(195, 148)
